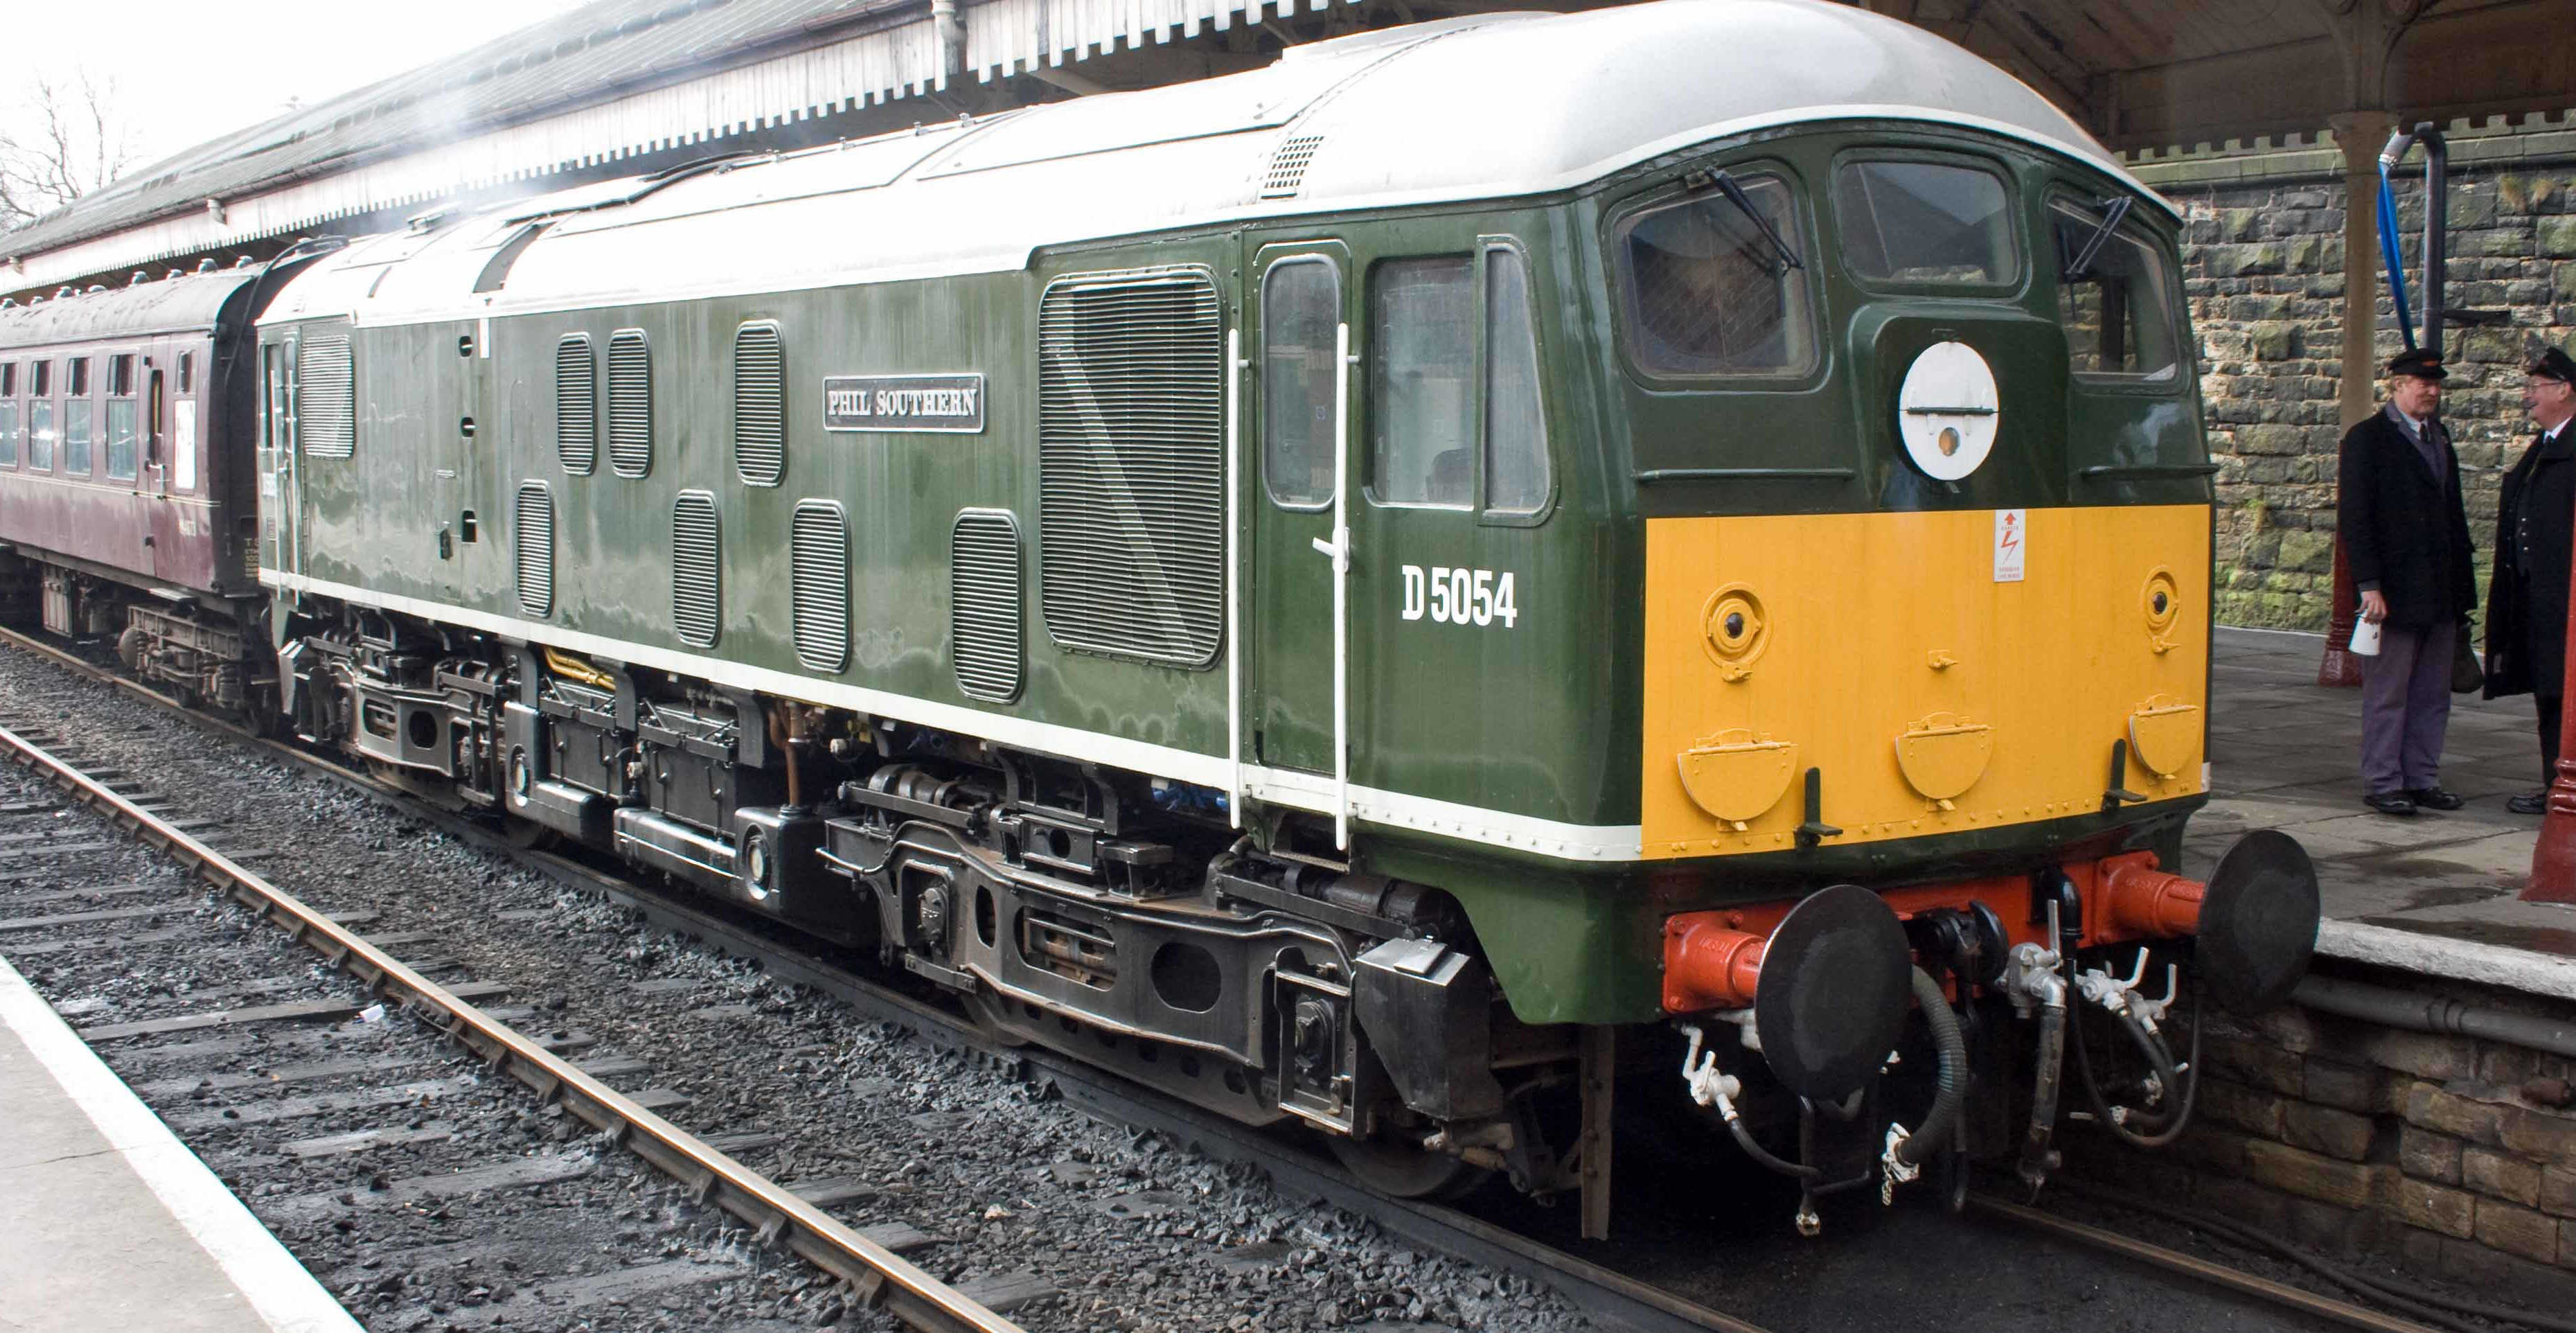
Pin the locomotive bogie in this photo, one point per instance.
(203, 659)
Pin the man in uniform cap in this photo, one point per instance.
(2406, 539)
(2527, 599)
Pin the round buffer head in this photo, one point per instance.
(2258, 921)
(1831, 999)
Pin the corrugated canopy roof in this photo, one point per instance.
(596, 51)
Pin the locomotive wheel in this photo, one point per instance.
(1407, 1172)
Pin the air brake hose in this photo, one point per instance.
(1934, 1134)
(1744, 1140)
(2185, 1076)
(2035, 1155)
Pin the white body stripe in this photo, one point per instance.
(1305, 791)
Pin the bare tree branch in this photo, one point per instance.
(62, 141)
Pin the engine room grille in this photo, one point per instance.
(819, 578)
(326, 407)
(1131, 396)
(984, 584)
(630, 403)
(697, 589)
(532, 532)
(1287, 173)
(759, 405)
(577, 405)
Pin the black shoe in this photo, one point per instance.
(2434, 798)
(2530, 803)
(2390, 802)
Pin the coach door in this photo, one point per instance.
(1296, 442)
(279, 547)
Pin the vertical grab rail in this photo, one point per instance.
(1339, 549)
(1234, 366)
(293, 504)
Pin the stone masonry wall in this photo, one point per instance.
(2264, 275)
(2445, 1155)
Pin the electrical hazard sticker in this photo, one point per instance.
(2012, 544)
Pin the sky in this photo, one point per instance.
(187, 72)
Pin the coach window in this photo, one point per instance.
(120, 417)
(80, 417)
(1301, 304)
(1454, 396)
(1713, 283)
(1919, 223)
(40, 416)
(2115, 295)
(10, 425)
(187, 372)
(156, 416)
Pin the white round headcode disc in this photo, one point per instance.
(1947, 410)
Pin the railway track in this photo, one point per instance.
(774, 1211)
(356, 1071)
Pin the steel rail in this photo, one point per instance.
(2200, 1270)
(878, 1274)
(1601, 1292)
(1613, 1297)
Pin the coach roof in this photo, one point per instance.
(1470, 108)
(190, 303)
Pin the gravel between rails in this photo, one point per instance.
(1067, 1222)
(1024, 1195)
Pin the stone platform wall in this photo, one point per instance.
(2263, 269)
(2444, 1155)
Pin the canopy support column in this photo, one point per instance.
(2359, 134)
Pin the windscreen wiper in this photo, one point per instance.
(1725, 184)
(2113, 210)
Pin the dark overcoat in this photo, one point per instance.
(2527, 595)
(2403, 529)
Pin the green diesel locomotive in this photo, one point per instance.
(1339, 590)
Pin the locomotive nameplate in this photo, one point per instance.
(949, 403)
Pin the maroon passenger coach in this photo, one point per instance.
(127, 495)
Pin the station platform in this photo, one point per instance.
(107, 1221)
(2435, 894)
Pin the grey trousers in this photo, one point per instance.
(2405, 706)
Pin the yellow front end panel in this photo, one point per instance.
(1948, 672)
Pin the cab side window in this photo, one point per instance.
(1456, 417)
(1301, 304)
(1423, 381)
(2115, 296)
(1516, 470)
